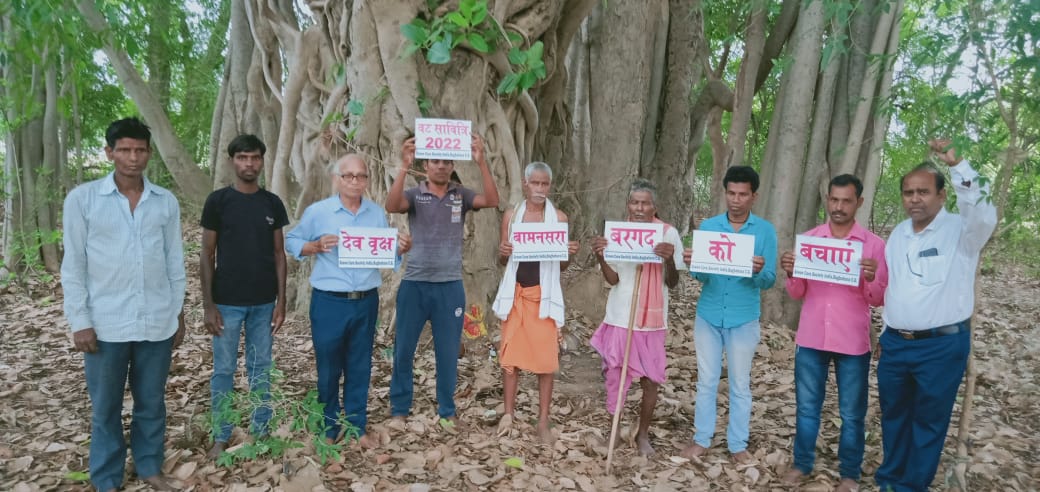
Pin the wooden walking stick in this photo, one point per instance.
(624, 368)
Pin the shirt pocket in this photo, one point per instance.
(934, 269)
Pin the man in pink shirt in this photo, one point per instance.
(835, 326)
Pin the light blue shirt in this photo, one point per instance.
(328, 216)
(123, 273)
(727, 301)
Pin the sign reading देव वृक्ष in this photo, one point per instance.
(539, 241)
(827, 259)
(367, 247)
(443, 139)
(632, 242)
(723, 253)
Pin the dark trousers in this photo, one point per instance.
(442, 304)
(917, 386)
(343, 331)
(145, 365)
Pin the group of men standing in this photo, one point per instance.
(128, 320)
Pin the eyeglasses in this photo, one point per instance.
(353, 177)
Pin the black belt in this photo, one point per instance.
(952, 329)
(360, 294)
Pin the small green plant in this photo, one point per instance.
(471, 24)
(292, 423)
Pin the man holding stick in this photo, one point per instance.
(727, 319)
(928, 307)
(835, 326)
(530, 302)
(646, 318)
(431, 289)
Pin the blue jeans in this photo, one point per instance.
(738, 343)
(343, 331)
(442, 303)
(145, 365)
(256, 320)
(810, 380)
(917, 386)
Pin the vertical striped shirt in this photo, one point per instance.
(123, 272)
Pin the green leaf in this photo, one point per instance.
(535, 52)
(416, 34)
(440, 52)
(467, 7)
(514, 462)
(355, 107)
(477, 42)
(516, 57)
(458, 19)
(527, 80)
(77, 476)
(479, 14)
(508, 84)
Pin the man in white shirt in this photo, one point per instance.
(928, 305)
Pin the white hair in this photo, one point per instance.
(537, 166)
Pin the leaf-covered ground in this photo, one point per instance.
(44, 413)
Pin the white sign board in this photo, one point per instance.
(367, 247)
(723, 253)
(632, 242)
(828, 260)
(538, 241)
(443, 139)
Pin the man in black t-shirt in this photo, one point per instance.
(243, 283)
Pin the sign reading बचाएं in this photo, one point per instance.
(367, 247)
(539, 241)
(632, 242)
(724, 253)
(828, 260)
(443, 139)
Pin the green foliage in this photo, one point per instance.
(292, 423)
(471, 25)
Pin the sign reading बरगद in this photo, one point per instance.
(539, 241)
(828, 260)
(367, 247)
(724, 253)
(443, 139)
(632, 242)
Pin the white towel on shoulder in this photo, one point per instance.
(549, 278)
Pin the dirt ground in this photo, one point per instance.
(44, 412)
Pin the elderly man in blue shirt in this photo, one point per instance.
(727, 319)
(123, 277)
(344, 301)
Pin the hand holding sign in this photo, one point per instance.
(477, 149)
(450, 140)
(869, 266)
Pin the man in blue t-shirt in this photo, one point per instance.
(727, 319)
(242, 267)
(432, 286)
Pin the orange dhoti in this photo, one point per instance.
(528, 342)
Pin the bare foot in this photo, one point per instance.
(545, 433)
(505, 424)
(368, 441)
(793, 476)
(216, 450)
(743, 457)
(643, 443)
(693, 451)
(847, 485)
(157, 482)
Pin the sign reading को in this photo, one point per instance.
(539, 241)
(723, 253)
(632, 242)
(827, 259)
(443, 139)
(367, 247)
